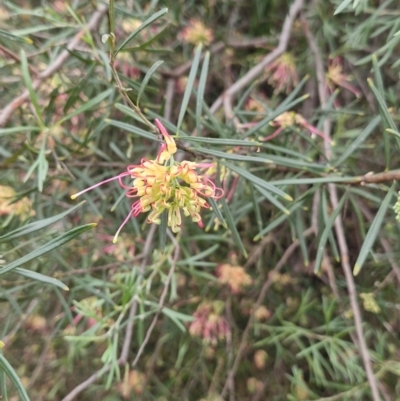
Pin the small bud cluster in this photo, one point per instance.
(369, 302)
(196, 33)
(336, 77)
(233, 276)
(290, 119)
(208, 323)
(282, 74)
(396, 208)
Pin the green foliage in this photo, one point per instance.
(255, 301)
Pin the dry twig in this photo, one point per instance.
(260, 299)
(122, 360)
(227, 97)
(341, 238)
(7, 112)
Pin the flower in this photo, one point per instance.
(196, 33)
(396, 207)
(336, 77)
(133, 382)
(261, 313)
(234, 276)
(282, 73)
(369, 302)
(164, 185)
(208, 323)
(289, 119)
(21, 207)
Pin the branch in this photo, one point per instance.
(16, 58)
(162, 299)
(260, 300)
(253, 73)
(340, 233)
(7, 112)
(128, 331)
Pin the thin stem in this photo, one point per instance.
(243, 342)
(124, 94)
(340, 233)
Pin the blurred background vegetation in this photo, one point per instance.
(297, 104)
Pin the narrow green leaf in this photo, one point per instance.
(295, 92)
(17, 130)
(74, 94)
(111, 16)
(87, 106)
(256, 207)
(177, 317)
(37, 225)
(326, 233)
(275, 223)
(200, 256)
(280, 109)
(326, 216)
(216, 211)
(140, 28)
(391, 131)
(258, 181)
(358, 141)
(144, 46)
(285, 150)
(189, 87)
(131, 128)
(41, 165)
(163, 230)
(296, 163)
(9, 36)
(200, 91)
(342, 6)
(373, 231)
(219, 141)
(32, 93)
(232, 156)
(52, 244)
(40, 277)
(147, 78)
(232, 228)
(319, 180)
(3, 384)
(129, 112)
(382, 106)
(377, 74)
(13, 376)
(267, 195)
(299, 230)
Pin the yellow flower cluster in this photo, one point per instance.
(172, 188)
(164, 185)
(196, 33)
(234, 276)
(21, 208)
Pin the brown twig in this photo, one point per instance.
(132, 312)
(162, 299)
(254, 72)
(260, 299)
(217, 48)
(122, 360)
(341, 238)
(7, 112)
(16, 58)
